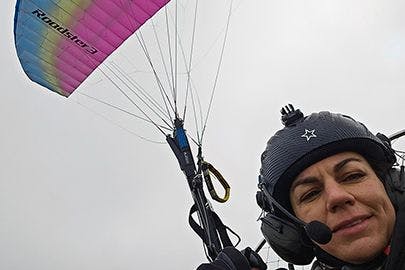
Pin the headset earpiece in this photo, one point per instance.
(386, 141)
(390, 153)
(262, 202)
(287, 239)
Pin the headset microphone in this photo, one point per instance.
(319, 232)
(316, 230)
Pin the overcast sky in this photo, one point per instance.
(79, 192)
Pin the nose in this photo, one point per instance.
(337, 197)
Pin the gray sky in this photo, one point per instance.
(79, 192)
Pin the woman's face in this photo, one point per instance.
(344, 192)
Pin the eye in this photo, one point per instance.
(309, 195)
(353, 176)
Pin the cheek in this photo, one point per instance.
(307, 212)
(311, 212)
(375, 197)
(387, 216)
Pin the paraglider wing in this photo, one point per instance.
(60, 42)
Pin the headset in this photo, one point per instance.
(288, 236)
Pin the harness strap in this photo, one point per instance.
(218, 227)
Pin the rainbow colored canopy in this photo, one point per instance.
(60, 42)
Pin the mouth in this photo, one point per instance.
(351, 225)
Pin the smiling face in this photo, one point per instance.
(344, 192)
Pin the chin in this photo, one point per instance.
(358, 251)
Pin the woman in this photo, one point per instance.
(329, 191)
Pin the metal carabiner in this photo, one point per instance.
(207, 170)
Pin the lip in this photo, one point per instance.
(357, 221)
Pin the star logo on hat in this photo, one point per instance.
(309, 134)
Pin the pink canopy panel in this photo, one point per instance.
(60, 42)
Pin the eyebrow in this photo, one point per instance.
(304, 181)
(343, 163)
(313, 179)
